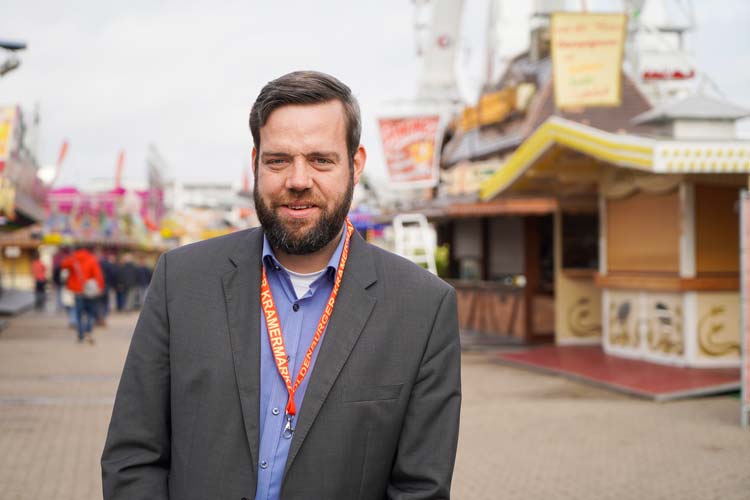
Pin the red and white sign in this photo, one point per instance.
(410, 145)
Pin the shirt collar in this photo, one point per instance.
(271, 262)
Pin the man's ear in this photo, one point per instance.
(360, 158)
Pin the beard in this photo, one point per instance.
(290, 236)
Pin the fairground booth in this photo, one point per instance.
(608, 203)
(645, 233)
(118, 219)
(22, 196)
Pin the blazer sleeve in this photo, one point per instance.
(136, 457)
(427, 446)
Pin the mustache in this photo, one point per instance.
(301, 197)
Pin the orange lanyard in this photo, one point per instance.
(276, 339)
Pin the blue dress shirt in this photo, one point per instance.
(299, 317)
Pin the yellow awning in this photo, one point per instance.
(628, 151)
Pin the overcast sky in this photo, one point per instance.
(183, 75)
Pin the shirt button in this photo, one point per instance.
(295, 307)
(264, 465)
(275, 411)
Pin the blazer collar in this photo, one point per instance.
(360, 266)
(241, 290)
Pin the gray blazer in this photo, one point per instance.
(380, 416)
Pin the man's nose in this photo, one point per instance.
(299, 177)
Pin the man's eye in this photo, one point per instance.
(323, 161)
(275, 161)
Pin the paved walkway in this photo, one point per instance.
(523, 435)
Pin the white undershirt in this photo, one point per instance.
(301, 282)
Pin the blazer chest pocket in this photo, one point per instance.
(362, 393)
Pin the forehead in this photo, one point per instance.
(305, 125)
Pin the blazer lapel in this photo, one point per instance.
(351, 312)
(241, 291)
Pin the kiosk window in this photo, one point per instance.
(580, 238)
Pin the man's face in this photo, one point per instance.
(303, 180)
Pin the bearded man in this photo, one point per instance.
(292, 361)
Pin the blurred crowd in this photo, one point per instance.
(90, 283)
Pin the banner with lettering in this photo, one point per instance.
(410, 145)
(587, 54)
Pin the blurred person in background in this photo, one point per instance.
(65, 297)
(120, 291)
(226, 392)
(144, 278)
(39, 271)
(114, 278)
(127, 277)
(110, 281)
(57, 280)
(86, 282)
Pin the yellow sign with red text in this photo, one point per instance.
(409, 146)
(587, 58)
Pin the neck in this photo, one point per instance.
(311, 262)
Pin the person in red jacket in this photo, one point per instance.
(39, 271)
(86, 281)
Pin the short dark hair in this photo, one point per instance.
(307, 87)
